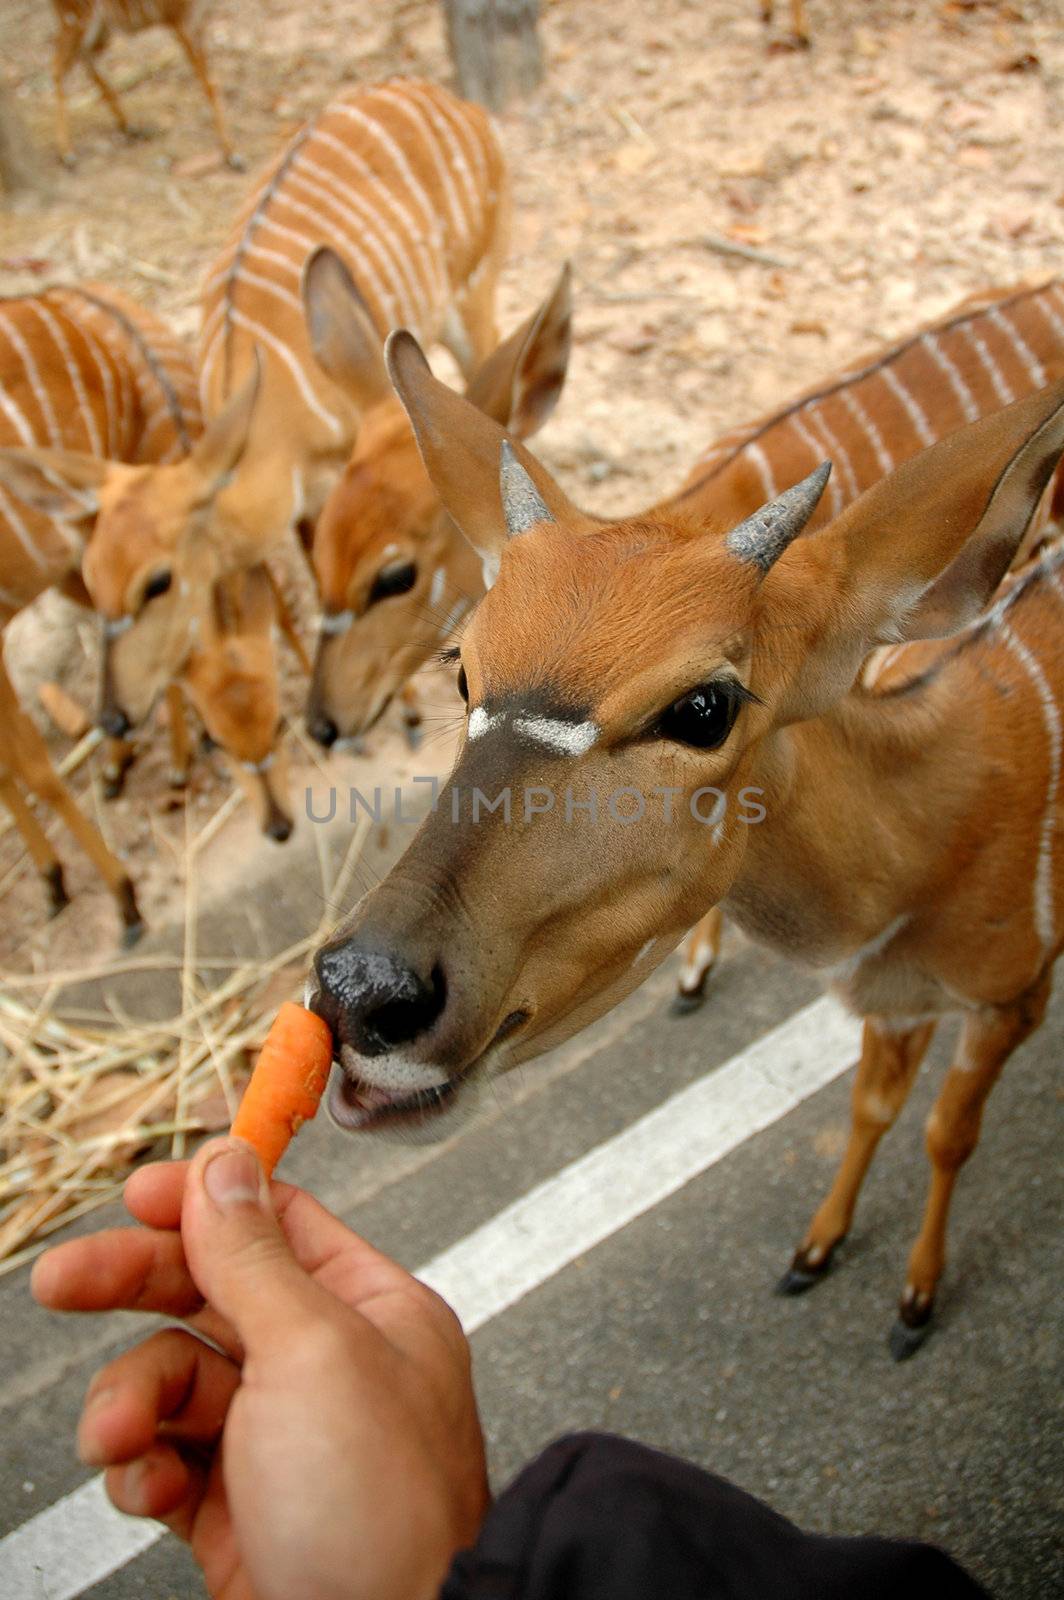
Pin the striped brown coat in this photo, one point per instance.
(88, 374)
(408, 186)
(82, 369)
(906, 840)
(994, 348)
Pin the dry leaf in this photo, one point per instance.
(1026, 62)
(810, 325)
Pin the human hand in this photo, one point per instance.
(334, 1451)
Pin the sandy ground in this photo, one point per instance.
(913, 155)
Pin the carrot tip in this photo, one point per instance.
(287, 1083)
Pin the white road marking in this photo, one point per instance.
(81, 1539)
(76, 1543)
(593, 1198)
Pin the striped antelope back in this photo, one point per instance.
(994, 348)
(408, 185)
(82, 369)
(85, 371)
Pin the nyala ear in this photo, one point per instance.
(920, 554)
(462, 450)
(342, 332)
(57, 483)
(217, 453)
(520, 382)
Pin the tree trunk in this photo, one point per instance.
(16, 165)
(495, 48)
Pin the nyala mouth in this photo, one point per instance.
(357, 1106)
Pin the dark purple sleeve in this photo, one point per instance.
(600, 1518)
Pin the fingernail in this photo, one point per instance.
(135, 1477)
(98, 1400)
(233, 1177)
(89, 1449)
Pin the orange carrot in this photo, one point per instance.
(287, 1084)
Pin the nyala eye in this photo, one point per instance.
(703, 718)
(156, 585)
(399, 578)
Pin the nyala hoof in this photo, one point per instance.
(803, 1274)
(132, 922)
(684, 1001)
(913, 1324)
(905, 1341)
(56, 888)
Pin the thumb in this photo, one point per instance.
(237, 1255)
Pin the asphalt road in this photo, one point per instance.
(667, 1329)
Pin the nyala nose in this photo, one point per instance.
(114, 721)
(376, 1000)
(323, 730)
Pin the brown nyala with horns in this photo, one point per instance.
(407, 184)
(84, 27)
(494, 939)
(884, 408)
(94, 389)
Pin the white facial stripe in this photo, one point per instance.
(113, 626)
(562, 737)
(566, 738)
(337, 621)
(439, 580)
(259, 766)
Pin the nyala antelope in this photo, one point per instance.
(394, 575)
(84, 27)
(671, 657)
(408, 186)
(86, 371)
(94, 389)
(885, 407)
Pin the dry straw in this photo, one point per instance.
(81, 1099)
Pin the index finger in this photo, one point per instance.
(154, 1194)
(128, 1269)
